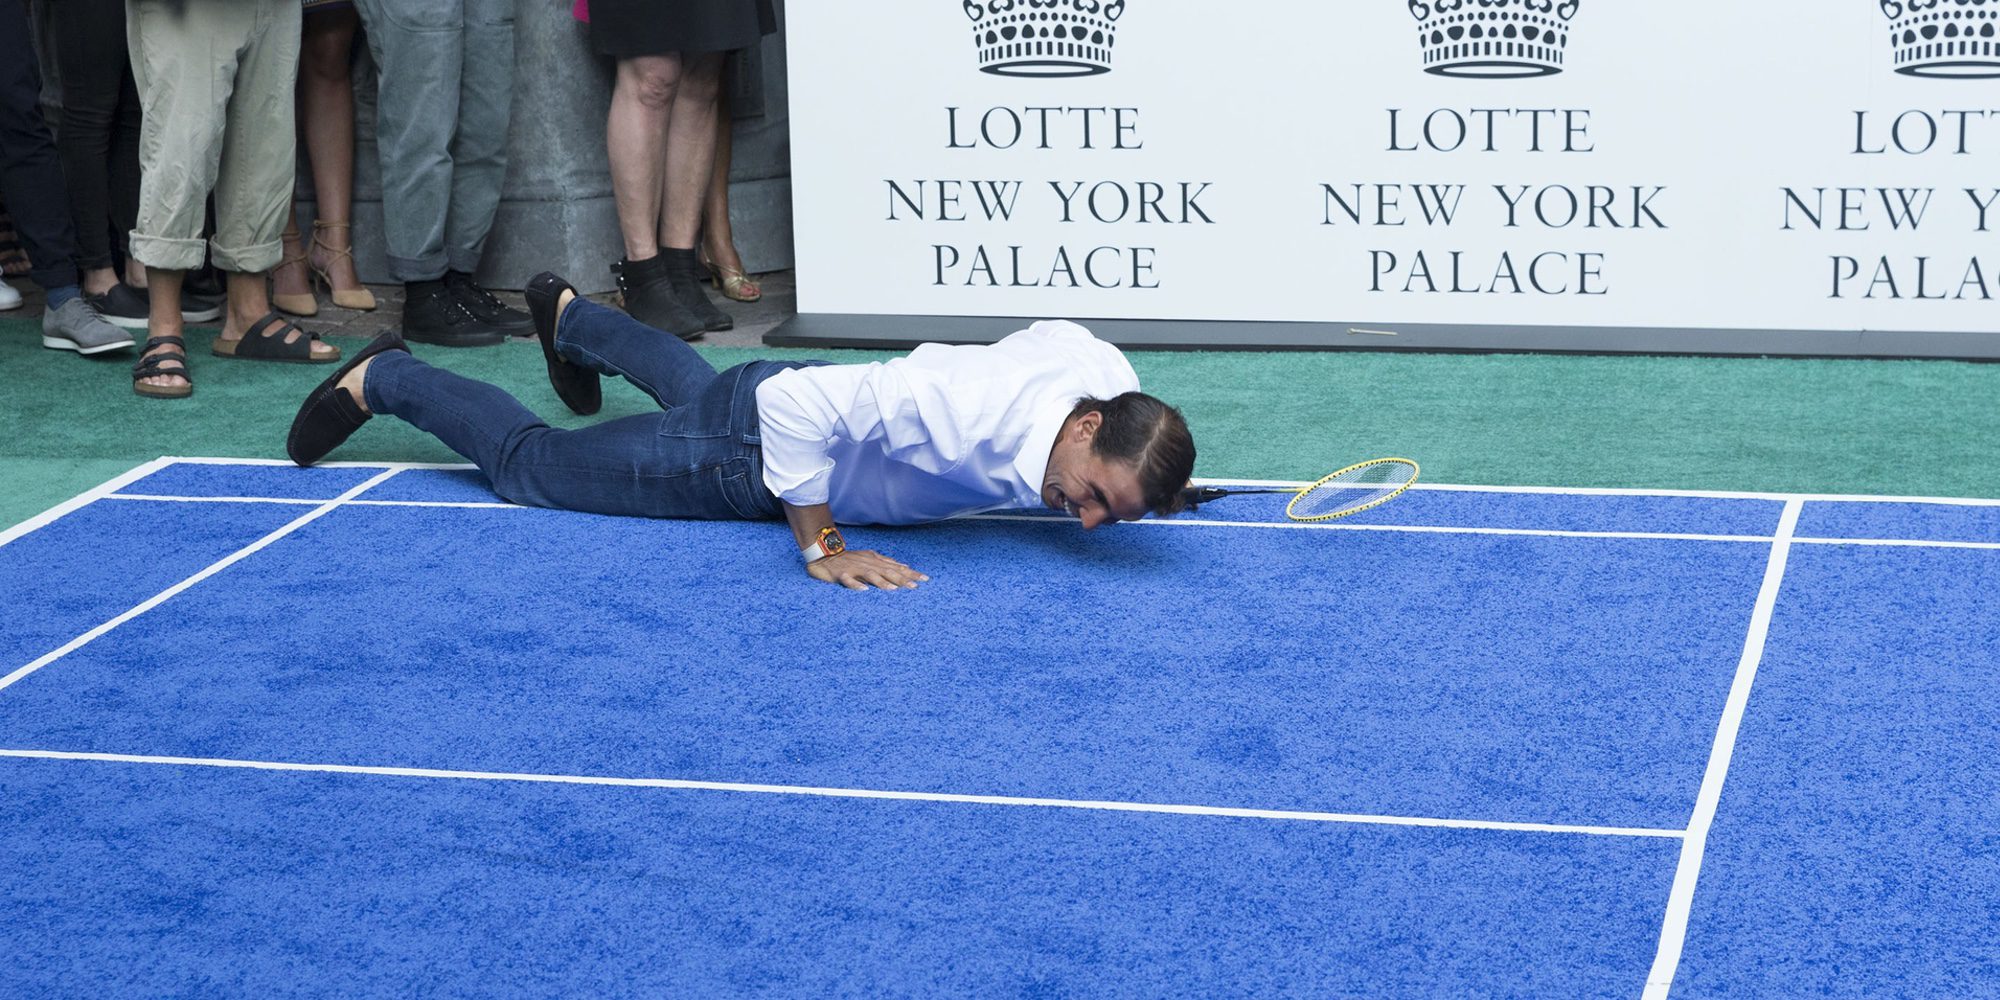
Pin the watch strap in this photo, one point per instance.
(826, 544)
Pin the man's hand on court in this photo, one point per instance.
(859, 569)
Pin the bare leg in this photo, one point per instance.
(642, 103)
(718, 239)
(248, 304)
(99, 280)
(164, 318)
(690, 149)
(326, 117)
(289, 284)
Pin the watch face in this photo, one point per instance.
(831, 541)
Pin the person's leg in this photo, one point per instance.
(642, 103)
(177, 54)
(479, 145)
(31, 182)
(419, 53)
(609, 341)
(253, 187)
(690, 162)
(90, 54)
(718, 237)
(419, 49)
(125, 171)
(690, 150)
(31, 177)
(682, 464)
(326, 118)
(291, 284)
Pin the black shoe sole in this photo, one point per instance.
(575, 385)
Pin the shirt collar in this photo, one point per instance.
(1031, 463)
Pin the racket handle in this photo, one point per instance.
(1195, 496)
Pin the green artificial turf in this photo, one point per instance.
(1927, 428)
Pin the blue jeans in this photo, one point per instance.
(700, 457)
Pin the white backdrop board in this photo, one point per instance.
(1788, 176)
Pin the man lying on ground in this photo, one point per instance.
(1049, 416)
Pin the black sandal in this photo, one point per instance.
(151, 364)
(265, 341)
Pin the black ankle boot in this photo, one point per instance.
(650, 298)
(685, 272)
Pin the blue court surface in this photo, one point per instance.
(363, 730)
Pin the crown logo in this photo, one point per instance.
(1044, 37)
(1493, 39)
(1954, 39)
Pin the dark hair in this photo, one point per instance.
(1149, 435)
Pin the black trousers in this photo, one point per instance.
(99, 140)
(31, 177)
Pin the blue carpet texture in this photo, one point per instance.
(1522, 678)
(146, 881)
(1857, 850)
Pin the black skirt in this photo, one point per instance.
(623, 28)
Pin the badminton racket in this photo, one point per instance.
(1352, 490)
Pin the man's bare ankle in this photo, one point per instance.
(356, 384)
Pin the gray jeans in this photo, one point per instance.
(446, 80)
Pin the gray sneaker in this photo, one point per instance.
(77, 327)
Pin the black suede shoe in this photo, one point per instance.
(131, 308)
(329, 415)
(491, 311)
(650, 298)
(432, 314)
(128, 307)
(576, 385)
(685, 273)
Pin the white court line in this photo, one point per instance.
(84, 499)
(1180, 522)
(1680, 900)
(286, 462)
(1293, 484)
(469, 504)
(165, 498)
(855, 793)
(1044, 519)
(1615, 491)
(1913, 543)
(217, 567)
(1177, 522)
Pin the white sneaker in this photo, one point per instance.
(10, 298)
(77, 327)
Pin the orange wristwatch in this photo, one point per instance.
(827, 543)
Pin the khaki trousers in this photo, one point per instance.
(215, 79)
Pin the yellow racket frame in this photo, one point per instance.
(1415, 469)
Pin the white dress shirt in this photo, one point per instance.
(943, 431)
